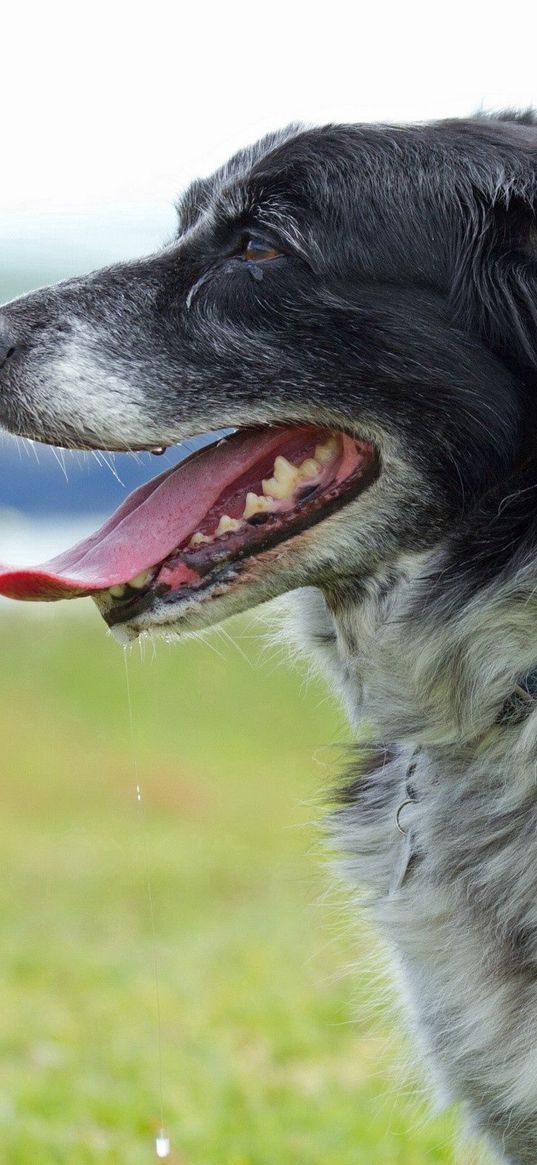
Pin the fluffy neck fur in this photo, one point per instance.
(463, 925)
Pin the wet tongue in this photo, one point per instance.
(147, 527)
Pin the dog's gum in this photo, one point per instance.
(177, 575)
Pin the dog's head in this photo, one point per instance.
(359, 303)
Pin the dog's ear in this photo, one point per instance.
(495, 274)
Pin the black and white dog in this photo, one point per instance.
(360, 304)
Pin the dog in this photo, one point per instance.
(358, 304)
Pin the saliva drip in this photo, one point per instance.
(162, 1144)
(162, 1141)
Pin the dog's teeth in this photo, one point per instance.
(198, 538)
(279, 490)
(118, 591)
(269, 485)
(284, 482)
(141, 580)
(227, 525)
(326, 453)
(285, 471)
(309, 468)
(257, 505)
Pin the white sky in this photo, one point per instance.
(110, 108)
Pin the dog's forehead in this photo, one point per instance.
(400, 187)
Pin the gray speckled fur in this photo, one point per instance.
(463, 927)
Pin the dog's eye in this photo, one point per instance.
(255, 249)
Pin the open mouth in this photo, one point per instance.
(195, 524)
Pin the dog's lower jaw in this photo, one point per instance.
(462, 920)
(226, 596)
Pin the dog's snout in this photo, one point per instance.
(8, 343)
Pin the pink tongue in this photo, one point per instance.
(147, 527)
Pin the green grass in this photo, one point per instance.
(271, 1052)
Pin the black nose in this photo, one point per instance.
(7, 342)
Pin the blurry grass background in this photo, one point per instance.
(271, 1048)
